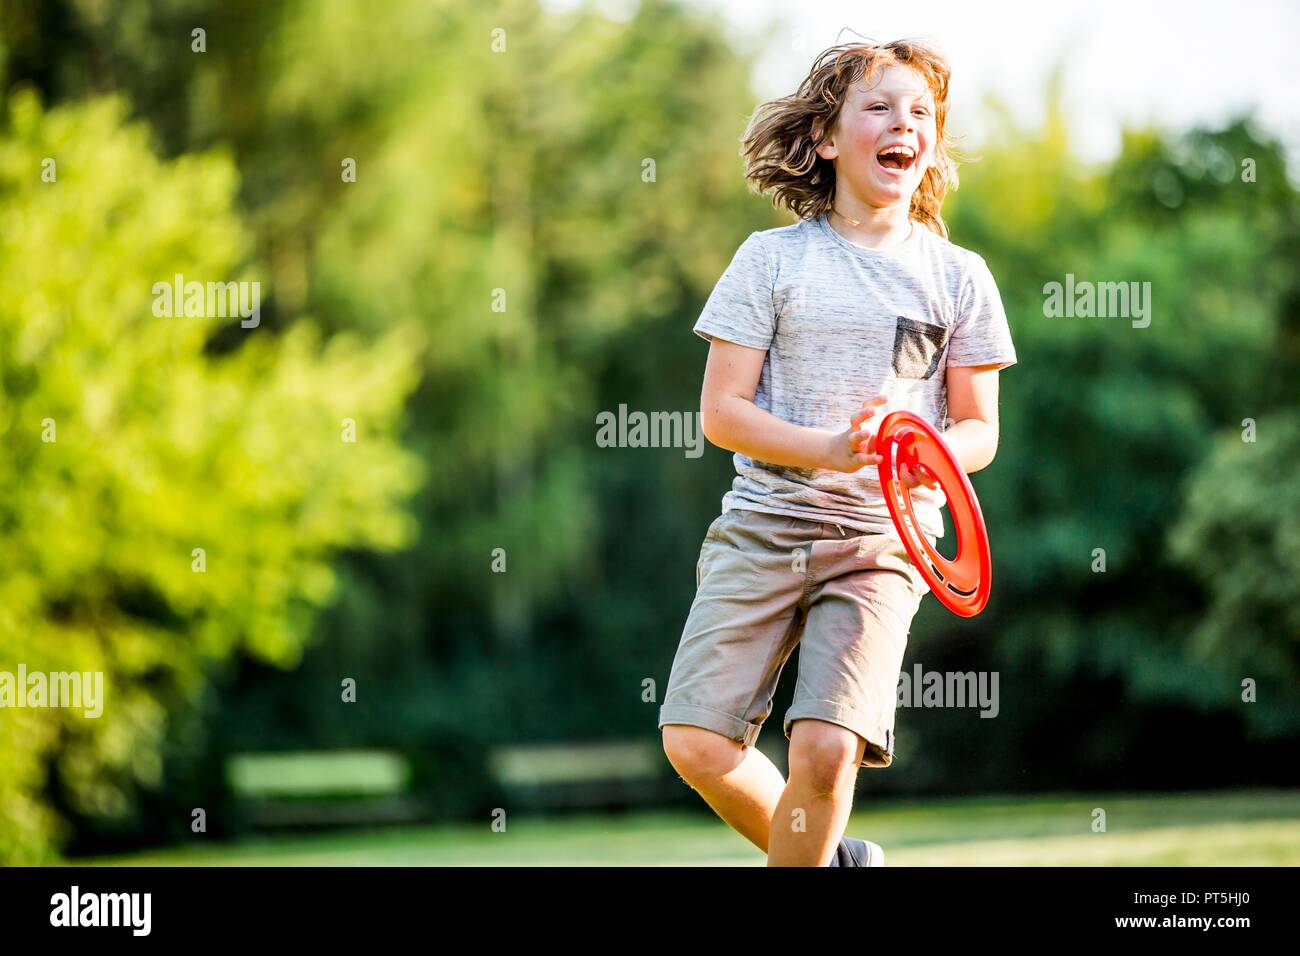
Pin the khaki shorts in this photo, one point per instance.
(764, 583)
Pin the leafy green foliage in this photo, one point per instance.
(129, 444)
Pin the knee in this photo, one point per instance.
(696, 753)
(824, 756)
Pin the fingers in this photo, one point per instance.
(918, 476)
(868, 409)
(863, 442)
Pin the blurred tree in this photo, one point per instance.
(130, 444)
(1107, 438)
(1240, 534)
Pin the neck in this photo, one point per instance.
(870, 226)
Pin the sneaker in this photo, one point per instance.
(855, 852)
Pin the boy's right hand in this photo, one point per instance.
(855, 448)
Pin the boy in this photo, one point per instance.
(862, 304)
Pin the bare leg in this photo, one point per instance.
(815, 807)
(738, 782)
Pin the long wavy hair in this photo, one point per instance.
(779, 145)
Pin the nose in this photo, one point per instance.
(902, 124)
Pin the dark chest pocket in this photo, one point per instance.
(918, 348)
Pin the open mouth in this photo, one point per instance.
(896, 158)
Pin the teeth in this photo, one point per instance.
(900, 150)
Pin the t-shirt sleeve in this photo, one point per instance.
(740, 307)
(981, 335)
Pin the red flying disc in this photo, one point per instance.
(962, 584)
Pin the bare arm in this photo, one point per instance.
(732, 421)
(973, 407)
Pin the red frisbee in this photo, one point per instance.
(962, 584)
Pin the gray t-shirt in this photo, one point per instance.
(840, 324)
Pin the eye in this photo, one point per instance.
(922, 111)
(878, 106)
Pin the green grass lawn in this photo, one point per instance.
(1257, 828)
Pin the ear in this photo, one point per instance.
(826, 147)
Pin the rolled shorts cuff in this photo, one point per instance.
(709, 719)
(879, 750)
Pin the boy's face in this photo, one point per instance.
(883, 141)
